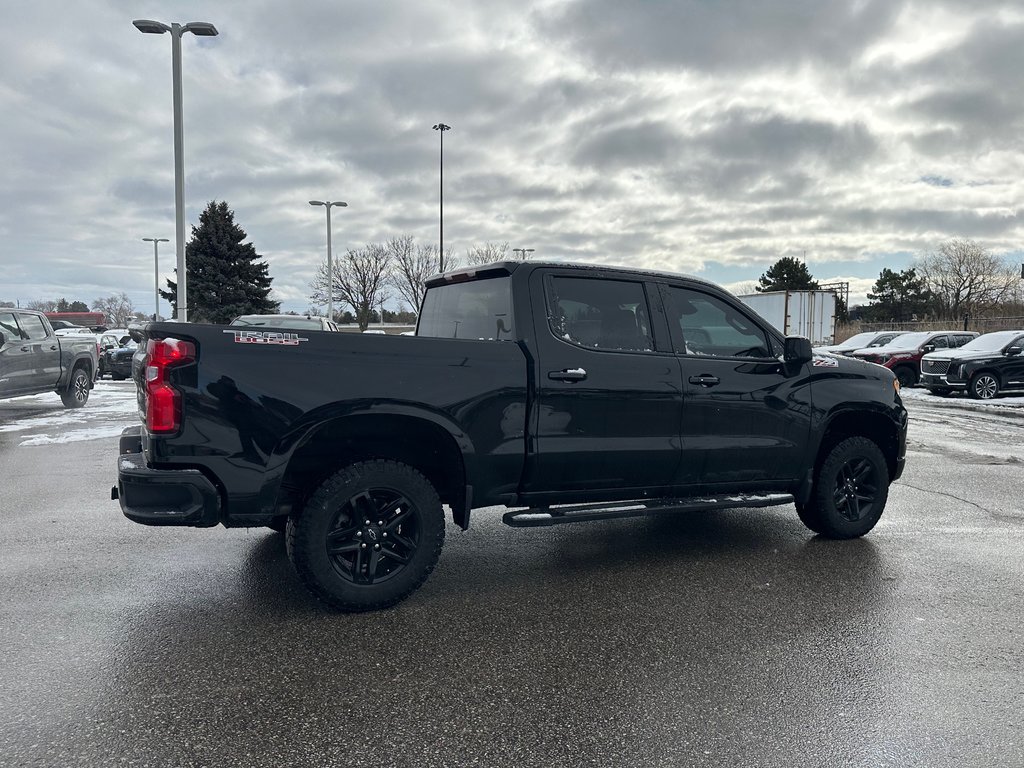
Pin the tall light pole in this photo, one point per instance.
(156, 271)
(201, 29)
(523, 253)
(441, 128)
(330, 264)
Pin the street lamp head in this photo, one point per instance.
(339, 204)
(200, 29)
(156, 240)
(442, 127)
(316, 202)
(151, 27)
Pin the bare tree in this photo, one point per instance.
(487, 253)
(360, 280)
(118, 309)
(966, 278)
(412, 264)
(42, 306)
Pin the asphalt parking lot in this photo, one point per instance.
(729, 638)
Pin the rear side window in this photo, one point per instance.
(713, 328)
(940, 342)
(600, 314)
(478, 309)
(959, 341)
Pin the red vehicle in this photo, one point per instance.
(903, 354)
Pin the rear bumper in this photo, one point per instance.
(162, 496)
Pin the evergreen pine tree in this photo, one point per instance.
(787, 274)
(226, 277)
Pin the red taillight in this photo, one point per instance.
(163, 402)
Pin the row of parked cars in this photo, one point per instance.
(944, 362)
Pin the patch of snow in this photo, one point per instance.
(111, 407)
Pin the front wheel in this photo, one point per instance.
(906, 375)
(984, 386)
(369, 536)
(77, 393)
(850, 490)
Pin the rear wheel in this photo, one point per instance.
(77, 393)
(850, 490)
(369, 536)
(983, 386)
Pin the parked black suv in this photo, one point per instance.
(983, 367)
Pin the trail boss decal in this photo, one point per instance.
(267, 337)
(824, 362)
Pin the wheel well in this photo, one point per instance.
(989, 371)
(421, 444)
(874, 426)
(85, 364)
(907, 367)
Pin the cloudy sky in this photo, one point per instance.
(702, 136)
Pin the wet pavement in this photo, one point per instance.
(728, 638)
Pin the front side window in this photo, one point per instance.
(33, 327)
(714, 328)
(480, 310)
(610, 315)
(9, 326)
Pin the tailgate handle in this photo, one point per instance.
(705, 380)
(569, 374)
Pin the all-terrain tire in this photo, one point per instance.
(850, 490)
(77, 393)
(369, 536)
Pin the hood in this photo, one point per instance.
(835, 361)
(962, 354)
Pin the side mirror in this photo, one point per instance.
(797, 350)
(1013, 351)
(928, 347)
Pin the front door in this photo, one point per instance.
(608, 402)
(746, 416)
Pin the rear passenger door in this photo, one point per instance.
(746, 416)
(608, 402)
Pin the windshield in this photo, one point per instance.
(991, 342)
(856, 342)
(908, 340)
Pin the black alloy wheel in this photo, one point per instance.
(374, 536)
(369, 536)
(984, 386)
(856, 489)
(850, 490)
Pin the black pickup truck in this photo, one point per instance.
(564, 392)
(33, 359)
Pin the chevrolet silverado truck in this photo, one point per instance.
(33, 359)
(563, 392)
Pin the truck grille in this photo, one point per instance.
(934, 366)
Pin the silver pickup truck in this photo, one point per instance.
(34, 360)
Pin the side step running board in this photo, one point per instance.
(579, 513)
